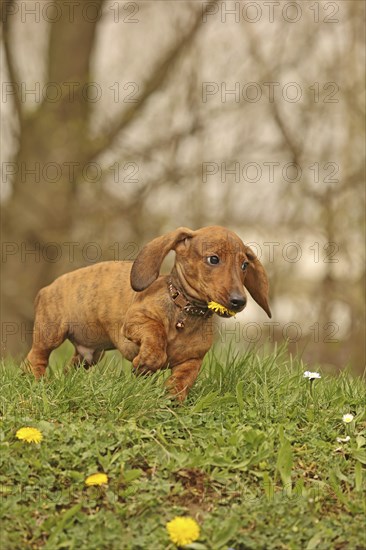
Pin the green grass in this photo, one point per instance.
(252, 456)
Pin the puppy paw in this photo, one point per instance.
(176, 390)
(147, 362)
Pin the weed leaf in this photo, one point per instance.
(284, 464)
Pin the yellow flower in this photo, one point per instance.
(183, 531)
(30, 435)
(218, 308)
(96, 479)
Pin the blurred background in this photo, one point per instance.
(123, 120)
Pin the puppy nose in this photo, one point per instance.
(237, 301)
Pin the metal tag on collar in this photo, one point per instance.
(180, 324)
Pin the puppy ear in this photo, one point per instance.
(256, 281)
(146, 267)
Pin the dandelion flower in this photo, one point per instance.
(347, 418)
(30, 435)
(218, 308)
(311, 375)
(96, 479)
(183, 530)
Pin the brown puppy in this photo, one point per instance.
(155, 322)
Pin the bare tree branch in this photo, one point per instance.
(156, 79)
(288, 138)
(14, 79)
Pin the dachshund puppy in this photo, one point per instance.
(154, 321)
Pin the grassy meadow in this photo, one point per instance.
(252, 456)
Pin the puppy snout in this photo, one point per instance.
(237, 302)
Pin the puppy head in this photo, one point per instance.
(212, 264)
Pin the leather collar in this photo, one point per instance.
(186, 306)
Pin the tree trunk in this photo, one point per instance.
(52, 151)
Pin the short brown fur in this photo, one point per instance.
(128, 306)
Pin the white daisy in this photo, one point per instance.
(347, 418)
(311, 375)
(343, 439)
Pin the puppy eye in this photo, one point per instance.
(213, 260)
(244, 265)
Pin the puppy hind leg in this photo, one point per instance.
(43, 344)
(47, 335)
(37, 360)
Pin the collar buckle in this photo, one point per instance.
(180, 301)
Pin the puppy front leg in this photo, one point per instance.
(183, 377)
(150, 336)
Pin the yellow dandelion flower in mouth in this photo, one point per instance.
(218, 308)
(96, 479)
(183, 531)
(30, 435)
